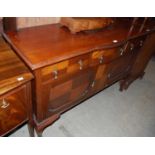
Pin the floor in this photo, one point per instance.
(110, 113)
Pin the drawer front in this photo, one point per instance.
(106, 56)
(65, 68)
(12, 110)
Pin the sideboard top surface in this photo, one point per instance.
(13, 71)
(44, 45)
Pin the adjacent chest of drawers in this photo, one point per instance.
(15, 91)
(70, 68)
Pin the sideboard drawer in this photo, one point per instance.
(65, 68)
(13, 110)
(106, 56)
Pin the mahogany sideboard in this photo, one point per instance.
(15, 91)
(69, 68)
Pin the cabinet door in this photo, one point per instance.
(64, 92)
(108, 73)
(13, 110)
(104, 61)
(119, 68)
(143, 56)
(100, 79)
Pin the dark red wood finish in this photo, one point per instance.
(70, 68)
(15, 91)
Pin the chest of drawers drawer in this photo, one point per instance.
(15, 91)
(13, 109)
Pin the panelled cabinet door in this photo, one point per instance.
(63, 92)
(119, 68)
(101, 60)
(65, 83)
(13, 110)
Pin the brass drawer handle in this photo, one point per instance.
(121, 51)
(101, 59)
(5, 104)
(81, 64)
(55, 72)
(131, 46)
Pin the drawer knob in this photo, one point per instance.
(121, 51)
(131, 46)
(5, 104)
(55, 72)
(101, 59)
(81, 64)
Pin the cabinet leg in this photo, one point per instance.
(141, 75)
(124, 85)
(40, 133)
(31, 130)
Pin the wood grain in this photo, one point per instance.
(48, 44)
(15, 91)
(11, 68)
(44, 45)
(49, 48)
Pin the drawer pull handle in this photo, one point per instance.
(101, 59)
(81, 64)
(121, 51)
(55, 72)
(141, 43)
(131, 46)
(4, 104)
